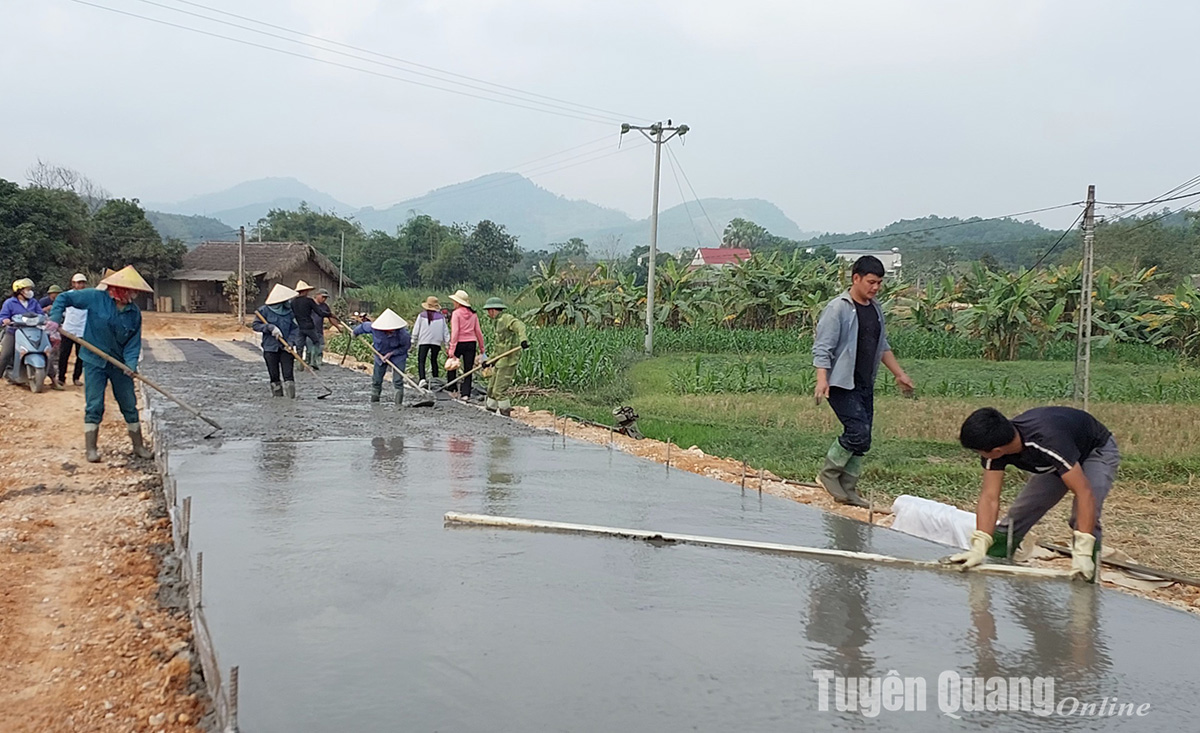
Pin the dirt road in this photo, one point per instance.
(92, 636)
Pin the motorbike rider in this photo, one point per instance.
(22, 301)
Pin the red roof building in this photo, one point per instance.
(719, 256)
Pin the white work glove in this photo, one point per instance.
(980, 542)
(276, 332)
(1083, 567)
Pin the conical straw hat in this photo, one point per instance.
(280, 294)
(301, 286)
(128, 278)
(461, 298)
(388, 321)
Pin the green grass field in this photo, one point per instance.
(760, 409)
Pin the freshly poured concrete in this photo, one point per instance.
(330, 580)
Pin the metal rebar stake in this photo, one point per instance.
(743, 476)
(553, 428)
(871, 505)
(187, 521)
(233, 699)
(668, 455)
(199, 579)
(761, 472)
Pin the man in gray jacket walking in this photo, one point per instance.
(850, 343)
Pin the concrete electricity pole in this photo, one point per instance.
(342, 265)
(654, 133)
(241, 276)
(1083, 334)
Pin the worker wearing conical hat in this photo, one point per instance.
(114, 325)
(510, 333)
(279, 328)
(390, 337)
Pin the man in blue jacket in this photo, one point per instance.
(849, 345)
(114, 325)
(390, 337)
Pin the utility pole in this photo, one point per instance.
(654, 133)
(342, 266)
(1083, 334)
(241, 275)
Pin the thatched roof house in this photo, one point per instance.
(197, 287)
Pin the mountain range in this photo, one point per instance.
(538, 217)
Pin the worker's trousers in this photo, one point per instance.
(95, 378)
(502, 379)
(1043, 490)
(381, 371)
(855, 409)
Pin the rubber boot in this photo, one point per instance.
(276, 389)
(135, 436)
(830, 475)
(376, 390)
(289, 390)
(999, 546)
(400, 394)
(504, 407)
(491, 405)
(91, 434)
(850, 483)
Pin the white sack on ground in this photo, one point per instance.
(933, 520)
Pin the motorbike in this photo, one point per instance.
(31, 354)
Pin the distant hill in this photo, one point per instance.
(191, 230)
(250, 201)
(692, 225)
(538, 217)
(1013, 243)
(535, 215)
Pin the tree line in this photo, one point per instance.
(62, 223)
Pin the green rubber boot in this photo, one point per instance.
(850, 483)
(830, 475)
(376, 391)
(399, 398)
(999, 546)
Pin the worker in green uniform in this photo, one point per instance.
(510, 333)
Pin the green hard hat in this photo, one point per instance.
(494, 303)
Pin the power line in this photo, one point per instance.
(401, 60)
(671, 154)
(686, 208)
(947, 226)
(572, 108)
(1054, 246)
(1138, 207)
(592, 118)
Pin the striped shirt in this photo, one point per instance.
(1053, 440)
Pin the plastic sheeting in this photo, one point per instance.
(933, 520)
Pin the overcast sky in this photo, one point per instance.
(847, 115)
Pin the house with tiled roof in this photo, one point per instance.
(198, 286)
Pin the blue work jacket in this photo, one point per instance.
(392, 344)
(114, 329)
(286, 324)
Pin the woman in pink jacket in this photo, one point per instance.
(466, 340)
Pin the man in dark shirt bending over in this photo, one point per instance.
(1063, 449)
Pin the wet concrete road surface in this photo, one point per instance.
(333, 584)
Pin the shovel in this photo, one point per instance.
(288, 348)
(145, 380)
(493, 360)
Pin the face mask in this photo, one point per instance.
(27, 293)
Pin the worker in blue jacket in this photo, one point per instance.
(390, 337)
(280, 327)
(114, 326)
